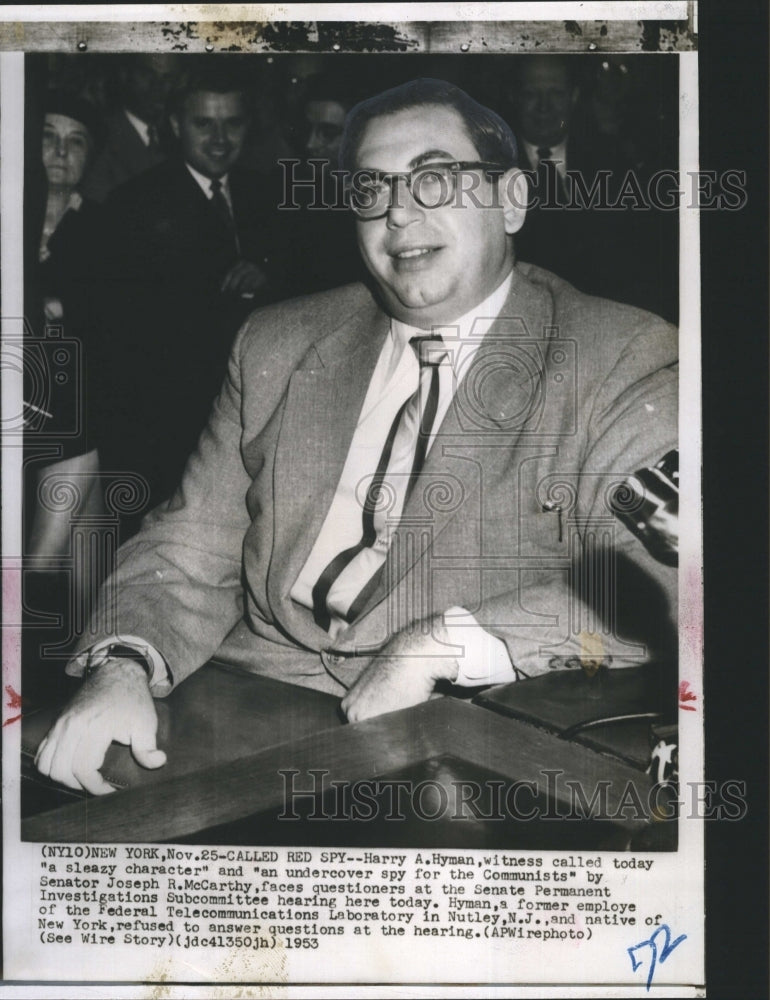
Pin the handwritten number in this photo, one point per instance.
(665, 951)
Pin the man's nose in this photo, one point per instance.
(62, 147)
(403, 208)
(219, 133)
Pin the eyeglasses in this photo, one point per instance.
(371, 193)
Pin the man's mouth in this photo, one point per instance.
(413, 253)
(420, 252)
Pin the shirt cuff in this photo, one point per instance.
(95, 655)
(483, 658)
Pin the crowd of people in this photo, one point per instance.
(175, 196)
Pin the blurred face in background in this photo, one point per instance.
(211, 129)
(324, 121)
(146, 82)
(543, 100)
(66, 147)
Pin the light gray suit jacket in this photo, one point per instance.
(510, 518)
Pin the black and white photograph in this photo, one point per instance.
(352, 374)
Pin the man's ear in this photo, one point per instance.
(514, 195)
(174, 119)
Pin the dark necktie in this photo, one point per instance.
(222, 209)
(153, 143)
(401, 460)
(549, 182)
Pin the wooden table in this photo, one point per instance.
(233, 741)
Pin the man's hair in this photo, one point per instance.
(491, 136)
(330, 87)
(521, 63)
(212, 78)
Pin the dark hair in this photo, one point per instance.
(521, 63)
(329, 87)
(210, 77)
(59, 102)
(491, 136)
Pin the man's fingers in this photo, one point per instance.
(88, 758)
(149, 758)
(93, 782)
(44, 755)
(345, 706)
(55, 754)
(352, 706)
(231, 279)
(145, 751)
(228, 279)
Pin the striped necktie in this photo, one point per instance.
(348, 581)
(221, 207)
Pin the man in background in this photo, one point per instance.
(133, 140)
(610, 249)
(191, 246)
(323, 237)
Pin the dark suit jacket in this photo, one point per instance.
(122, 157)
(168, 327)
(69, 274)
(565, 396)
(628, 254)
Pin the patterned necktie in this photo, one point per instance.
(222, 208)
(349, 579)
(549, 182)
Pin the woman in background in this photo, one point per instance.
(62, 291)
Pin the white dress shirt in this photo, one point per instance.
(142, 128)
(204, 183)
(558, 155)
(485, 658)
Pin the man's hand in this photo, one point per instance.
(243, 278)
(404, 673)
(114, 704)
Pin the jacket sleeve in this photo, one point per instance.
(616, 603)
(177, 583)
(606, 598)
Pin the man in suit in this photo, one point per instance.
(376, 514)
(615, 252)
(192, 247)
(324, 241)
(133, 142)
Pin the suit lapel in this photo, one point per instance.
(131, 146)
(501, 391)
(323, 404)
(205, 225)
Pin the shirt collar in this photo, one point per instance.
(204, 183)
(141, 127)
(558, 153)
(476, 322)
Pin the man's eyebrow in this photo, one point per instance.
(430, 155)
